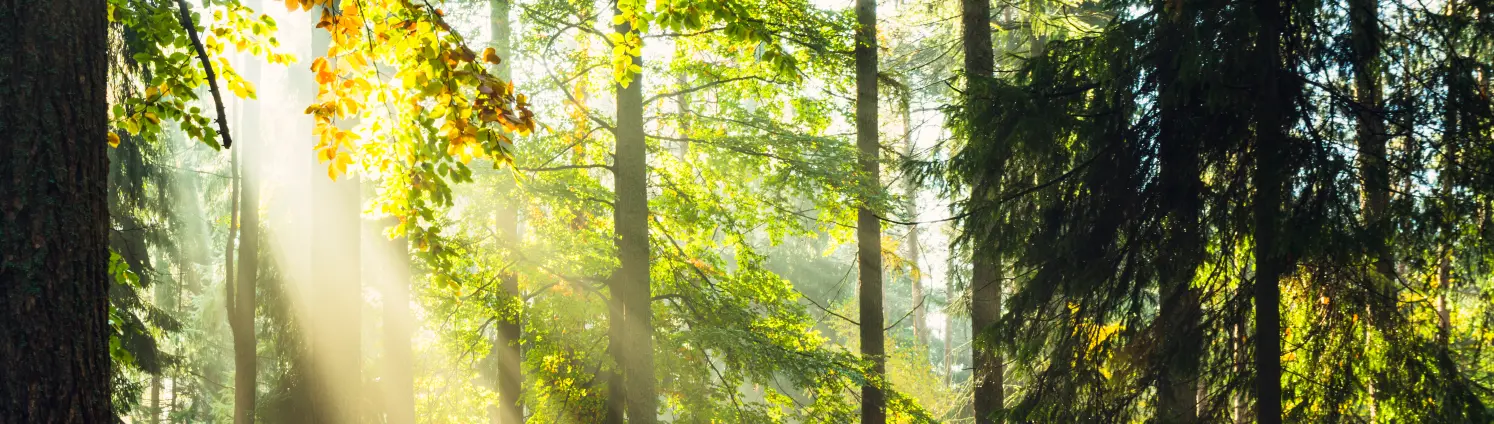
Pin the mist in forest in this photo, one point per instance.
(744, 211)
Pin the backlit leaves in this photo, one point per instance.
(405, 101)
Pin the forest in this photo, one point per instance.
(746, 211)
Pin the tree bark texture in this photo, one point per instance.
(54, 217)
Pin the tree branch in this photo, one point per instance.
(207, 65)
(563, 168)
(704, 86)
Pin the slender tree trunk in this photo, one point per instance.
(1183, 251)
(338, 292)
(631, 331)
(986, 278)
(506, 346)
(1269, 193)
(54, 221)
(245, 346)
(233, 237)
(949, 322)
(910, 210)
(155, 399)
(868, 226)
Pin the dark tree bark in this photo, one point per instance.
(868, 226)
(631, 331)
(1364, 20)
(985, 281)
(506, 345)
(54, 220)
(337, 291)
(1269, 180)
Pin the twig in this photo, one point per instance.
(207, 65)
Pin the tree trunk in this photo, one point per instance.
(245, 347)
(1183, 243)
(54, 221)
(631, 331)
(506, 346)
(1364, 33)
(1269, 193)
(910, 210)
(338, 293)
(399, 383)
(986, 278)
(868, 226)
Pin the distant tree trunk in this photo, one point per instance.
(399, 386)
(1183, 242)
(631, 331)
(155, 399)
(54, 220)
(868, 226)
(1270, 189)
(506, 346)
(233, 238)
(338, 293)
(241, 321)
(986, 278)
(949, 322)
(910, 209)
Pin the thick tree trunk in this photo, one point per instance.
(986, 278)
(245, 347)
(868, 226)
(631, 330)
(54, 221)
(1183, 243)
(506, 345)
(1269, 193)
(337, 290)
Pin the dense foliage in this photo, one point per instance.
(580, 211)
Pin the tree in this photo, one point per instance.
(506, 346)
(985, 282)
(336, 214)
(631, 333)
(244, 299)
(868, 225)
(54, 225)
(1270, 186)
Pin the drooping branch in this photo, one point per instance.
(207, 65)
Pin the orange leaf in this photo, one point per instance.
(113, 139)
(491, 56)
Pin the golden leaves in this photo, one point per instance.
(491, 56)
(113, 139)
